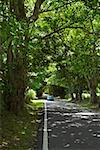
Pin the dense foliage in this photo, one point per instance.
(51, 41)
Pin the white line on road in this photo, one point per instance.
(45, 133)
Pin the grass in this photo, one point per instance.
(19, 132)
(37, 103)
(85, 103)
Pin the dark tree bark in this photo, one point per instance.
(72, 96)
(80, 96)
(92, 88)
(76, 96)
(16, 66)
(36, 10)
(15, 74)
(15, 81)
(17, 7)
(80, 93)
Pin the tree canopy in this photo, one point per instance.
(52, 40)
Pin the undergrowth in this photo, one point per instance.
(18, 132)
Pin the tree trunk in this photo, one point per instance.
(16, 65)
(80, 94)
(15, 85)
(92, 87)
(17, 7)
(76, 96)
(72, 96)
(15, 98)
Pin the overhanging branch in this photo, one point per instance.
(36, 10)
(62, 28)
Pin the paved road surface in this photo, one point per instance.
(71, 128)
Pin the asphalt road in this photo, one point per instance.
(70, 127)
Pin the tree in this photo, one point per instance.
(80, 38)
(15, 43)
(31, 34)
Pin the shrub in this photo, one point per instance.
(30, 94)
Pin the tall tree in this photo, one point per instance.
(31, 36)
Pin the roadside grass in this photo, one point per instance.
(37, 103)
(85, 103)
(19, 132)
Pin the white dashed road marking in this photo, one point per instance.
(45, 133)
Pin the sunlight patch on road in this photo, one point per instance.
(87, 113)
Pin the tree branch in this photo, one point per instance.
(36, 10)
(62, 28)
